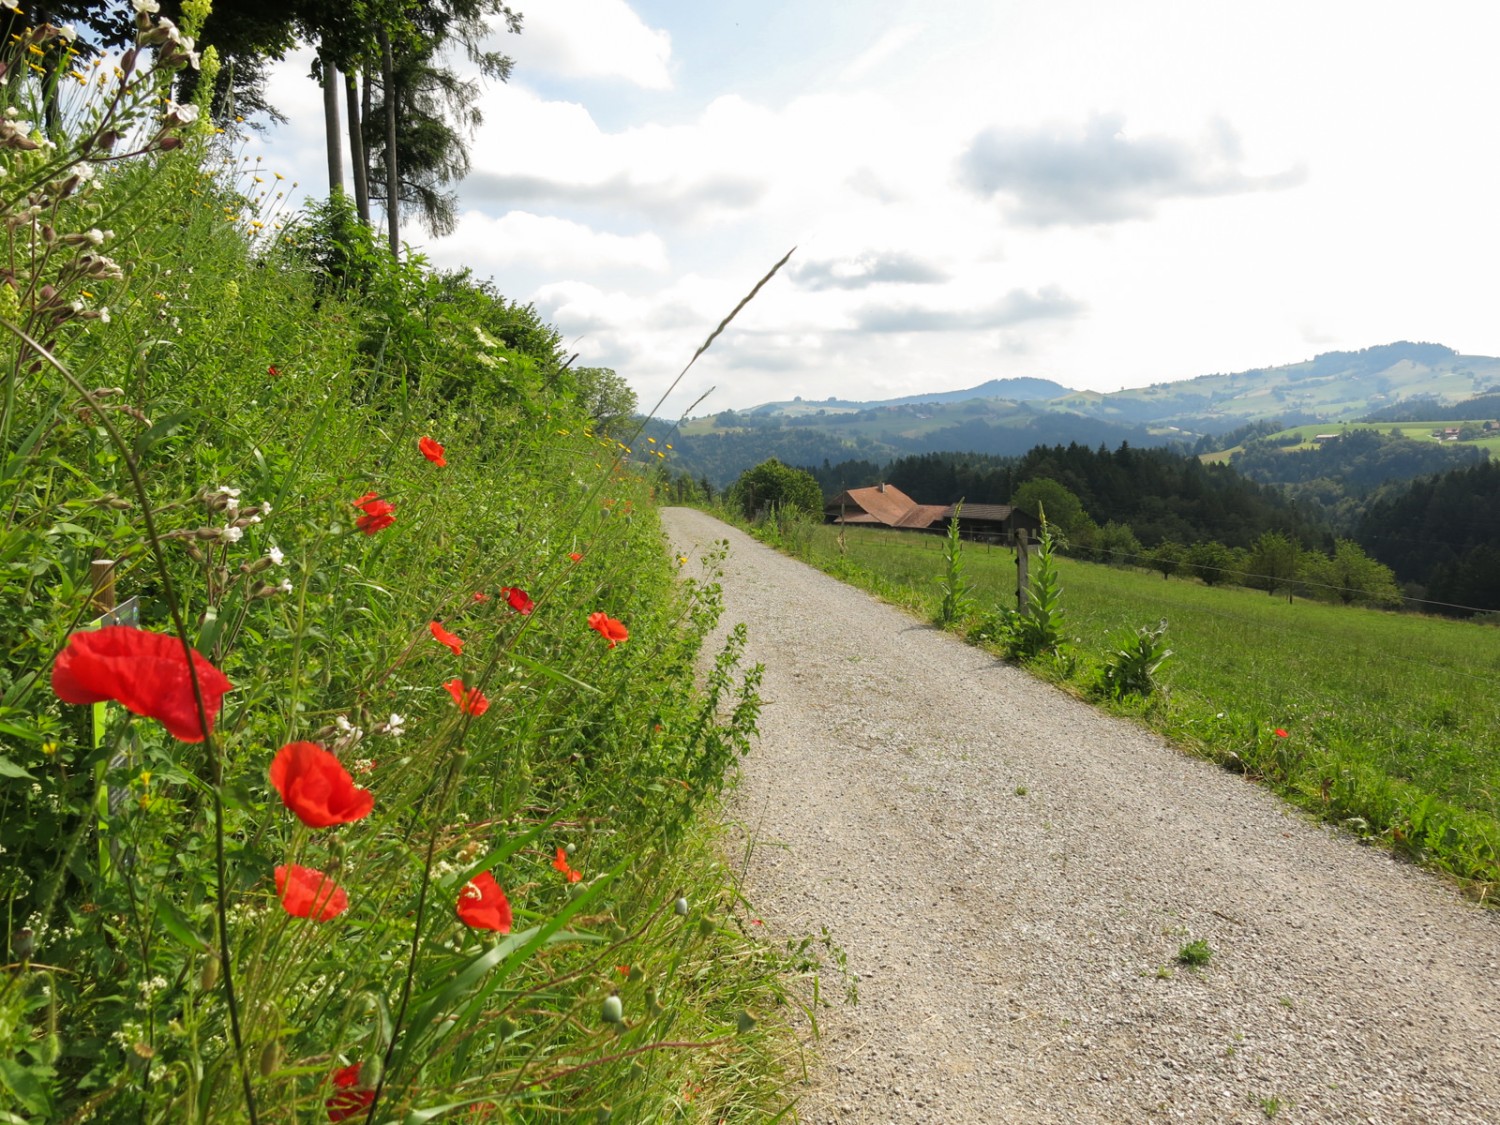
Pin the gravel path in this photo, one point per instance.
(1013, 873)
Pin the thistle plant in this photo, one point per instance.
(958, 600)
(1038, 630)
(1132, 663)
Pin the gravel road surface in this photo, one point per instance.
(1012, 875)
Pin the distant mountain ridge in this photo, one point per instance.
(1013, 390)
(1007, 417)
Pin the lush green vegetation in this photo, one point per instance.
(1445, 533)
(774, 485)
(437, 854)
(1383, 723)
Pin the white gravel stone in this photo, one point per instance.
(1008, 946)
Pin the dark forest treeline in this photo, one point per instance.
(1443, 533)
(1477, 409)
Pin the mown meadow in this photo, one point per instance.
(382, 796)
(1384, 723)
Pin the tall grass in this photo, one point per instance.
(1391, 721)
(217, 437)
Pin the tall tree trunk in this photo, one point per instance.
(331, 127)
(357, 155)
(392, 178)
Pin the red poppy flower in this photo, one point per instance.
(561, 864)
(481, 596)
(348, 1100)
(443, 637)
(378, 514)
(607, 627)
(432, 451)
(273, 371)
(146, 673)
(316, 786)
(1281, 733)
(307, 893)
(519, 600)
(482, 905)
(575, 556)
(471, 701)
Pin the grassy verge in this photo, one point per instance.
(1384, 723)
(365, 496)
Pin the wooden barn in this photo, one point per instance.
(885, 505)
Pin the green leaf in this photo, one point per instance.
(176, 924)
(162, 429)
(25, 1085)
(10, 769)
(561, 677)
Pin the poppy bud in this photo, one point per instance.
(208, 976)
(506, 1028)
(48, 1049)
(612, 1010)
(369, 1073)
(270, 1058)
(681, 907)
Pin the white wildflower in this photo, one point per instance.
(343, 723)
(104, 313)
(396, 725)
(276, 556)
(150, 988)
(180, 114)
(142, 7)
(94, 235)
(286, 586)
(232, 534)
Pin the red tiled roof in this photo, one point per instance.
(923, 515)
(886, 503)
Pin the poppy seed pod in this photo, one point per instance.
(612, 1010)
(681, 907)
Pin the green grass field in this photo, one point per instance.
(1392, 720)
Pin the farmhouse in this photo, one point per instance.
(885, 505)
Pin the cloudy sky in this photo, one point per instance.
(1104, 194)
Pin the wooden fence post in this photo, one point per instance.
(102, 579)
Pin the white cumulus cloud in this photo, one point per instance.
(545, 243)
(594, 39)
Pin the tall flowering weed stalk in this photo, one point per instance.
(283, 844)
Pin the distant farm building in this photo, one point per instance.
(885, 505)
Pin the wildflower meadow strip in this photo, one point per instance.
(364, 808)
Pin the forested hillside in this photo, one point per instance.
(1442, 533)
(1335, 476)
